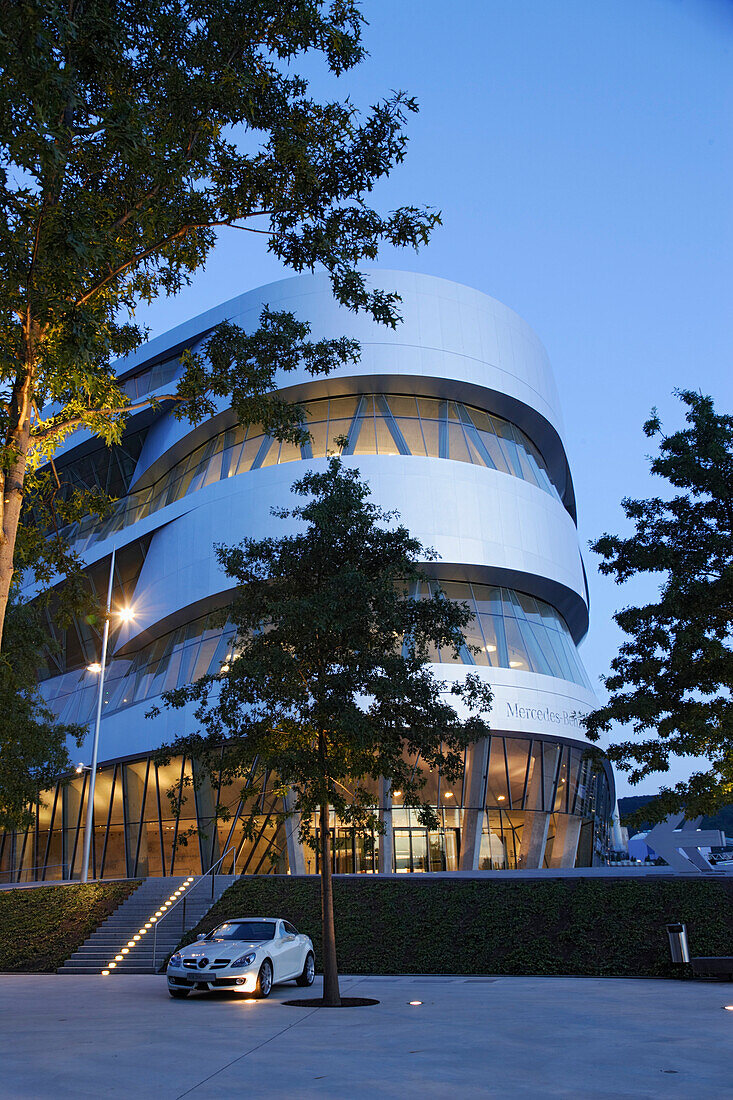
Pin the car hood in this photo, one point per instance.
(230, 948)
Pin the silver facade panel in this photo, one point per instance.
(488, 527)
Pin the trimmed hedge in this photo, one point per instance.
(592, 927)
(41, 927)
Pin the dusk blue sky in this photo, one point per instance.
(581, 154)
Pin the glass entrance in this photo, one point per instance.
(420, 850)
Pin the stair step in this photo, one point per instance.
(118, 929)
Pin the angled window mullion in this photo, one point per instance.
(268, 847)
(50, 830)
(473, 437)
(443, 448)
(19, 861)
(555, 781)
(178, 813)
(306, 449)
(566, 763)
(355, 426)
(463, 781)
(160, 818)
(385, 412)
(264, 447)
(35, 842)
(230, 834)
(109, 819)
(526, 775)
(254, 846)
(506, 775)
(72, 861)
(215, 822)
(142, 816)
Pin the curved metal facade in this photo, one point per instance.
(454, 419)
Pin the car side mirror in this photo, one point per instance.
(201, 936)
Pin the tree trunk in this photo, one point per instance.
(11, 485)
(331, 994)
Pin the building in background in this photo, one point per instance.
(454, 420)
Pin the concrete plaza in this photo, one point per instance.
(470, 1037)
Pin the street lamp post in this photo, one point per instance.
(95, 748)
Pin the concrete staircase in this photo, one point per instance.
(130, 918)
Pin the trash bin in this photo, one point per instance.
(678, 947)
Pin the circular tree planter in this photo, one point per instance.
(346, 1002)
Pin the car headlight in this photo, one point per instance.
(175, 960)
(245, 960)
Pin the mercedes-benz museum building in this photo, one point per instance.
(454, 420)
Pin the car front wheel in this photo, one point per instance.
(178, 994)
(309, 971)
(264, 980)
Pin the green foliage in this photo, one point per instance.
(43, 926)
(131, 133)
(599, 927)
(671, 681)
(331, 687)
(33, 750)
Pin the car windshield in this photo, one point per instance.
(244, 930)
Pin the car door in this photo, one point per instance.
(277, 950)
(293, 954)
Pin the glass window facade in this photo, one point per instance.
(510, 629)
(383, 424)
(544, 803)
(80, 643)
(152, 378)
(177, 658)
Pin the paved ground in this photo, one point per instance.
(64, 1036)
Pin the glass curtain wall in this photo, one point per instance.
(510, 630)
(148, 820)
(384, 424)
(159, 819)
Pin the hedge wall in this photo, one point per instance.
(462, 926)
(41, 927)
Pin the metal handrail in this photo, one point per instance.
(33, 867)
(188, 893)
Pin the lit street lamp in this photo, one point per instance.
(126, 615)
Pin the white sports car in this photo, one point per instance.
(247, 955)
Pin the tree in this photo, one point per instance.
(672, 679)
(131, 132)
(33, 745)
(331, 688)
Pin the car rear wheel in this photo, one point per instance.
(309, 971)
(264, 980)
(178, 994)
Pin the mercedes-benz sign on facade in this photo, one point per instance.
(454, 420)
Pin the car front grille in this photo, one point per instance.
(219, 963)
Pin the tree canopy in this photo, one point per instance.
(331, 687)
(671, 681)
(130, 134)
